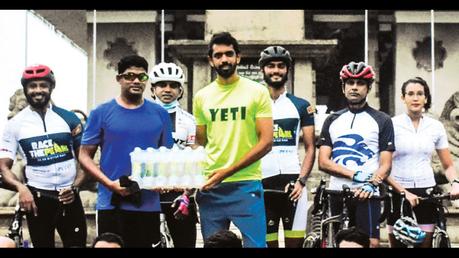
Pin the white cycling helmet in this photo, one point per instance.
(406, 230)
(167, 72)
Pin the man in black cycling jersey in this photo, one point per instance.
(355, 148)
(48, 137)
(281, 166)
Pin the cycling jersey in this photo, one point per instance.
(48, 146)
(411, 164)
(356, 138)
(183, 127)
(290, 114)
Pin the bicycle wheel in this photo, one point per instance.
(441, 240)
(312, 240)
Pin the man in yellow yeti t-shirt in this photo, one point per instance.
(234, 123)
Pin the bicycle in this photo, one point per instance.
(323, 225)
(165, 240)
(15, 228)
(440, 237)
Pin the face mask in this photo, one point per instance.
(170, 107)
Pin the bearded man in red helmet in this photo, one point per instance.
(48, 137)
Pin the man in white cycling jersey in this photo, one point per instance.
(48, 137)
(281, 166)
(355, 148)
(167, 89)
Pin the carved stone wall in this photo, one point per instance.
(450, 119)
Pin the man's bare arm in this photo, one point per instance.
(264, 128)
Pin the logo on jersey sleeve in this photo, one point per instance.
(284, 132)
(351, 148)
(47, 150)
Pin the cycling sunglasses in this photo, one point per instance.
(132, 76)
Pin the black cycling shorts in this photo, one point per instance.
(425, 212)
(68, 219)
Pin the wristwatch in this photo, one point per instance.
(302, 180)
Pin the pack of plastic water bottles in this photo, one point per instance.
(168, 168)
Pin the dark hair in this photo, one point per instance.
(223, 239)
(426, 90)
(224, 38)
(132, 60)
(110, 238)
(353, 234)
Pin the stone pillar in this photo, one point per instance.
(303, 85)
(201, 74)
(373, 97)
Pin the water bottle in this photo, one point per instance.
(200, 159)
(163, 167)
(185, 173)
(173, 166)
(148, 158)
(136, 165)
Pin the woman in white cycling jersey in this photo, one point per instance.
(417, 136)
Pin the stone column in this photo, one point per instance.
(373, 96)
(304, 86)
(201, 74)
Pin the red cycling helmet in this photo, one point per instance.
(359, 70)
(37, 72)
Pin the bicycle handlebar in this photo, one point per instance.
(350, 192)
(445, 196)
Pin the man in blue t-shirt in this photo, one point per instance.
(118, 126)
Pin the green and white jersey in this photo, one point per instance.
(229, 113)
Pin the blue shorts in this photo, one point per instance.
(239, 202)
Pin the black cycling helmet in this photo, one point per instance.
(358, 70)
(276, 53)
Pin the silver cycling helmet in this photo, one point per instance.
(406, 231)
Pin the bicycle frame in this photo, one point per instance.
(165, 240)
(342, 220)
(440, 230)
(15, 228)
(323, 224)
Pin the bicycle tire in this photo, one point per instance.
(441, 240)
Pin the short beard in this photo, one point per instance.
(134, 98)
(360, 102)
(276, 84)
(226, 73)
(39, 105)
